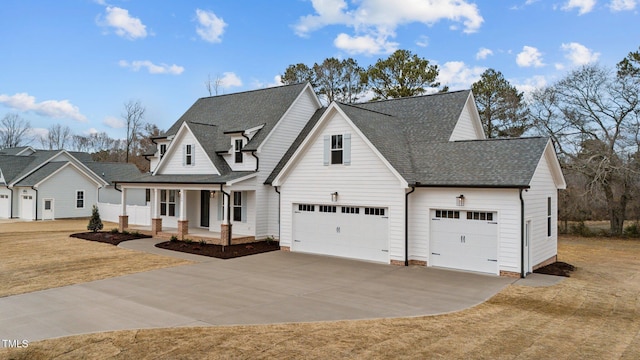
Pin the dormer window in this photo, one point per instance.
(163, 149)
(238, 150)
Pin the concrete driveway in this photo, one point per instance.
(273, 287)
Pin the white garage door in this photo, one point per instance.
(465, 240)
(26, 207)
(4, 206)
(348, 231)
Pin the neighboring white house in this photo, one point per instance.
(414, 181)
(405, 181)
(54, 184)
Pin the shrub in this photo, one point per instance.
(632, 230)
(114, 231)
(173, 238)
(202, 242)
(136, 233)
(95, 224)
(581, 229)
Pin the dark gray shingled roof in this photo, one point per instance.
(12, 151)
(12, 165)
(110, 171)
(187, 179)
(40, 174)
(413, 135)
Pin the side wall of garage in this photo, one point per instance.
(365, 182)
(504, 202)
(5, 203)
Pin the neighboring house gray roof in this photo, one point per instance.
(110, 171)
(412, 134)
(35, 177)
(12, 151)
(187, 179)
(210, 117)
(12, 165)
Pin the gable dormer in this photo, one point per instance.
(185, 154)
(237, 157)
(468, 126)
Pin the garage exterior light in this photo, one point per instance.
(334, 196)
(460, 200)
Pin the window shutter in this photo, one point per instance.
(244, 206)
(327, 149)
(220, 205)
(193, 155)
(184, 155)
(346, 149)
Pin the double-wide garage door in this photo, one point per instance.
(355, 232)
(465, 240)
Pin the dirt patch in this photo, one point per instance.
(558, 268)
(219, 251)
(109, 237)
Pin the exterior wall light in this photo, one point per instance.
(334, 196)
(212, 194)
(460, 200)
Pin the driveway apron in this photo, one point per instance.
(275, 287)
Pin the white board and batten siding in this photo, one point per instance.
(366, 182)
(62, 188)
(271, 151)
(543, 187)
(174, 163)
(504, 203)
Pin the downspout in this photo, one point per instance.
(522, 270)
(253, 152)
(10, 202)
(228, 195)
(36, 190)
(406, 226)
(279, 208)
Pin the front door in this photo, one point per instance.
(204, 208)
(47, 209)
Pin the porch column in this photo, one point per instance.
(183, 223)
(225, 227)
(156, 220)
(123, 219)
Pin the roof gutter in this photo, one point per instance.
(417, 184)
(406, 226)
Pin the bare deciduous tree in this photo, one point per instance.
(213, 85)
(14, 131)
(133, 115)
(592, 115)
(57, 137)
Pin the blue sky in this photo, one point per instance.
(76, 62)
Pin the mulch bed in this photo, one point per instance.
(558, 268)
(219, 251)
(108, 237)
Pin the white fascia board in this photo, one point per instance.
(333, 107)
(556, 170)
(307, 89)
(235, 181)
(25, 149)
(62, 168)
(171, 148)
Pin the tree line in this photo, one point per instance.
(16, 131)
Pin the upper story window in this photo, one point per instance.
(163, 149)
(238, 150)
(189, 156)
(337, 149)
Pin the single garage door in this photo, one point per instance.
(26, 207)
(355, 232)
(4, 206)
(464, 240)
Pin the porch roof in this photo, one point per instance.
(188, 179)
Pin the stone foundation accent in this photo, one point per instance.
(156, 226)
(183, 228)
(285, 248)
(397, 262)
(418, 262)
(510, 274)
(225, 233)
(123, 222)
(549, 261)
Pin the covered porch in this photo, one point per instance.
(198, 209)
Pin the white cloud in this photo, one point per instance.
(210, 27)
(583, 6)
(457, 75)
(622, 5)
(529, 56)
(423, 41)
(60, 109)
(91, 131)
(364, 44)
(579, 54)
(375, 21)
(483, 53)
(229, 80)
(277, 81)
(124, 24)
(114, 122)
(151, 67)
(530, 85)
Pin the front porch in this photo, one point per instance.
(194, 234)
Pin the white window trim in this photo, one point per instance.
(237, 150)
(84, 200)
(192, 155)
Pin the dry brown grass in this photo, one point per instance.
(41, 255)
(595, 314)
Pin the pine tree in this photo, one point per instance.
(95, 223)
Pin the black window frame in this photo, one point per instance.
(237, 206)
(79, 199)
(238, 151)
(337, 149)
